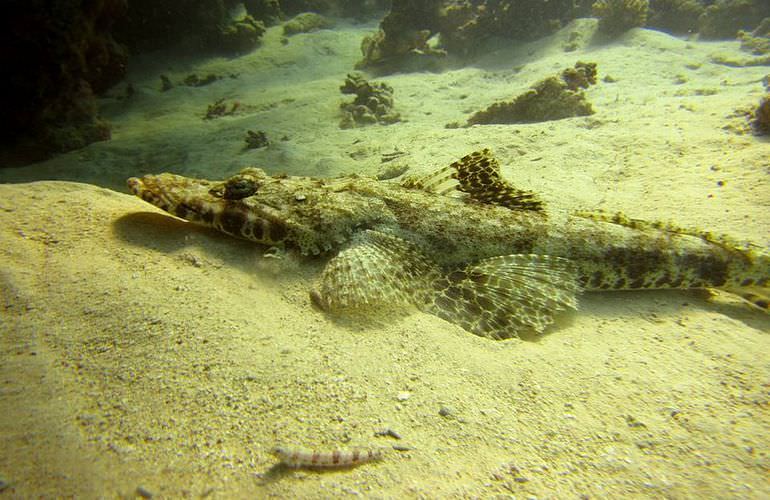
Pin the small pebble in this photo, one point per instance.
(142, 492)
(445, 411)
(403, 396)
(388, 432)
(633, 422)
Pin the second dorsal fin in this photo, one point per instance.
(478, 175)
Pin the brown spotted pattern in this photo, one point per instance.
(478, 175)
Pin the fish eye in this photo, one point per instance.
(239, 188)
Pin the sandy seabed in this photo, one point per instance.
(143, 355)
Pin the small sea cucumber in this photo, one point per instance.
(298, 457)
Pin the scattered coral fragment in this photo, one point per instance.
(554, 98)
(193, 80)
(220, 109)
(165, 83)
(373, 103)
(256, 140)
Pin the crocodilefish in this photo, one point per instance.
(461, 243)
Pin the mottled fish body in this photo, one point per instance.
(460, 243)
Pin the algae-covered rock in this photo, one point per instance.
(417, 33)
(267, 11)
(618, 16)
(466, 25)
(756, 42)
(57, 56)
(404, 32)
(554, 98)
(305, 23)
(675, 16)
(242, 34)
(725, 18)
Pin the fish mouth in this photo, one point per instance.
(150, 190)
(134, 185)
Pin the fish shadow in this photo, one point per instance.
(671, 305)
(168, 235)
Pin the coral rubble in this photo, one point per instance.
(373, 103)
(618, 16)
(554, 98)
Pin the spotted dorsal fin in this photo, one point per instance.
(478, 175)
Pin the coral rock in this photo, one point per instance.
(373, 103)
(242, 35)
(554, 98)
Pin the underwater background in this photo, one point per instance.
(144, 356)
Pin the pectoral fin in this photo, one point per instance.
(498, 298)
(378, 270)
(502, 297)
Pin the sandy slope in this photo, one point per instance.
(138, 351)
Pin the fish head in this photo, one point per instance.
(233, 206)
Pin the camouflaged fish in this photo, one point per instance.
(460, 243)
